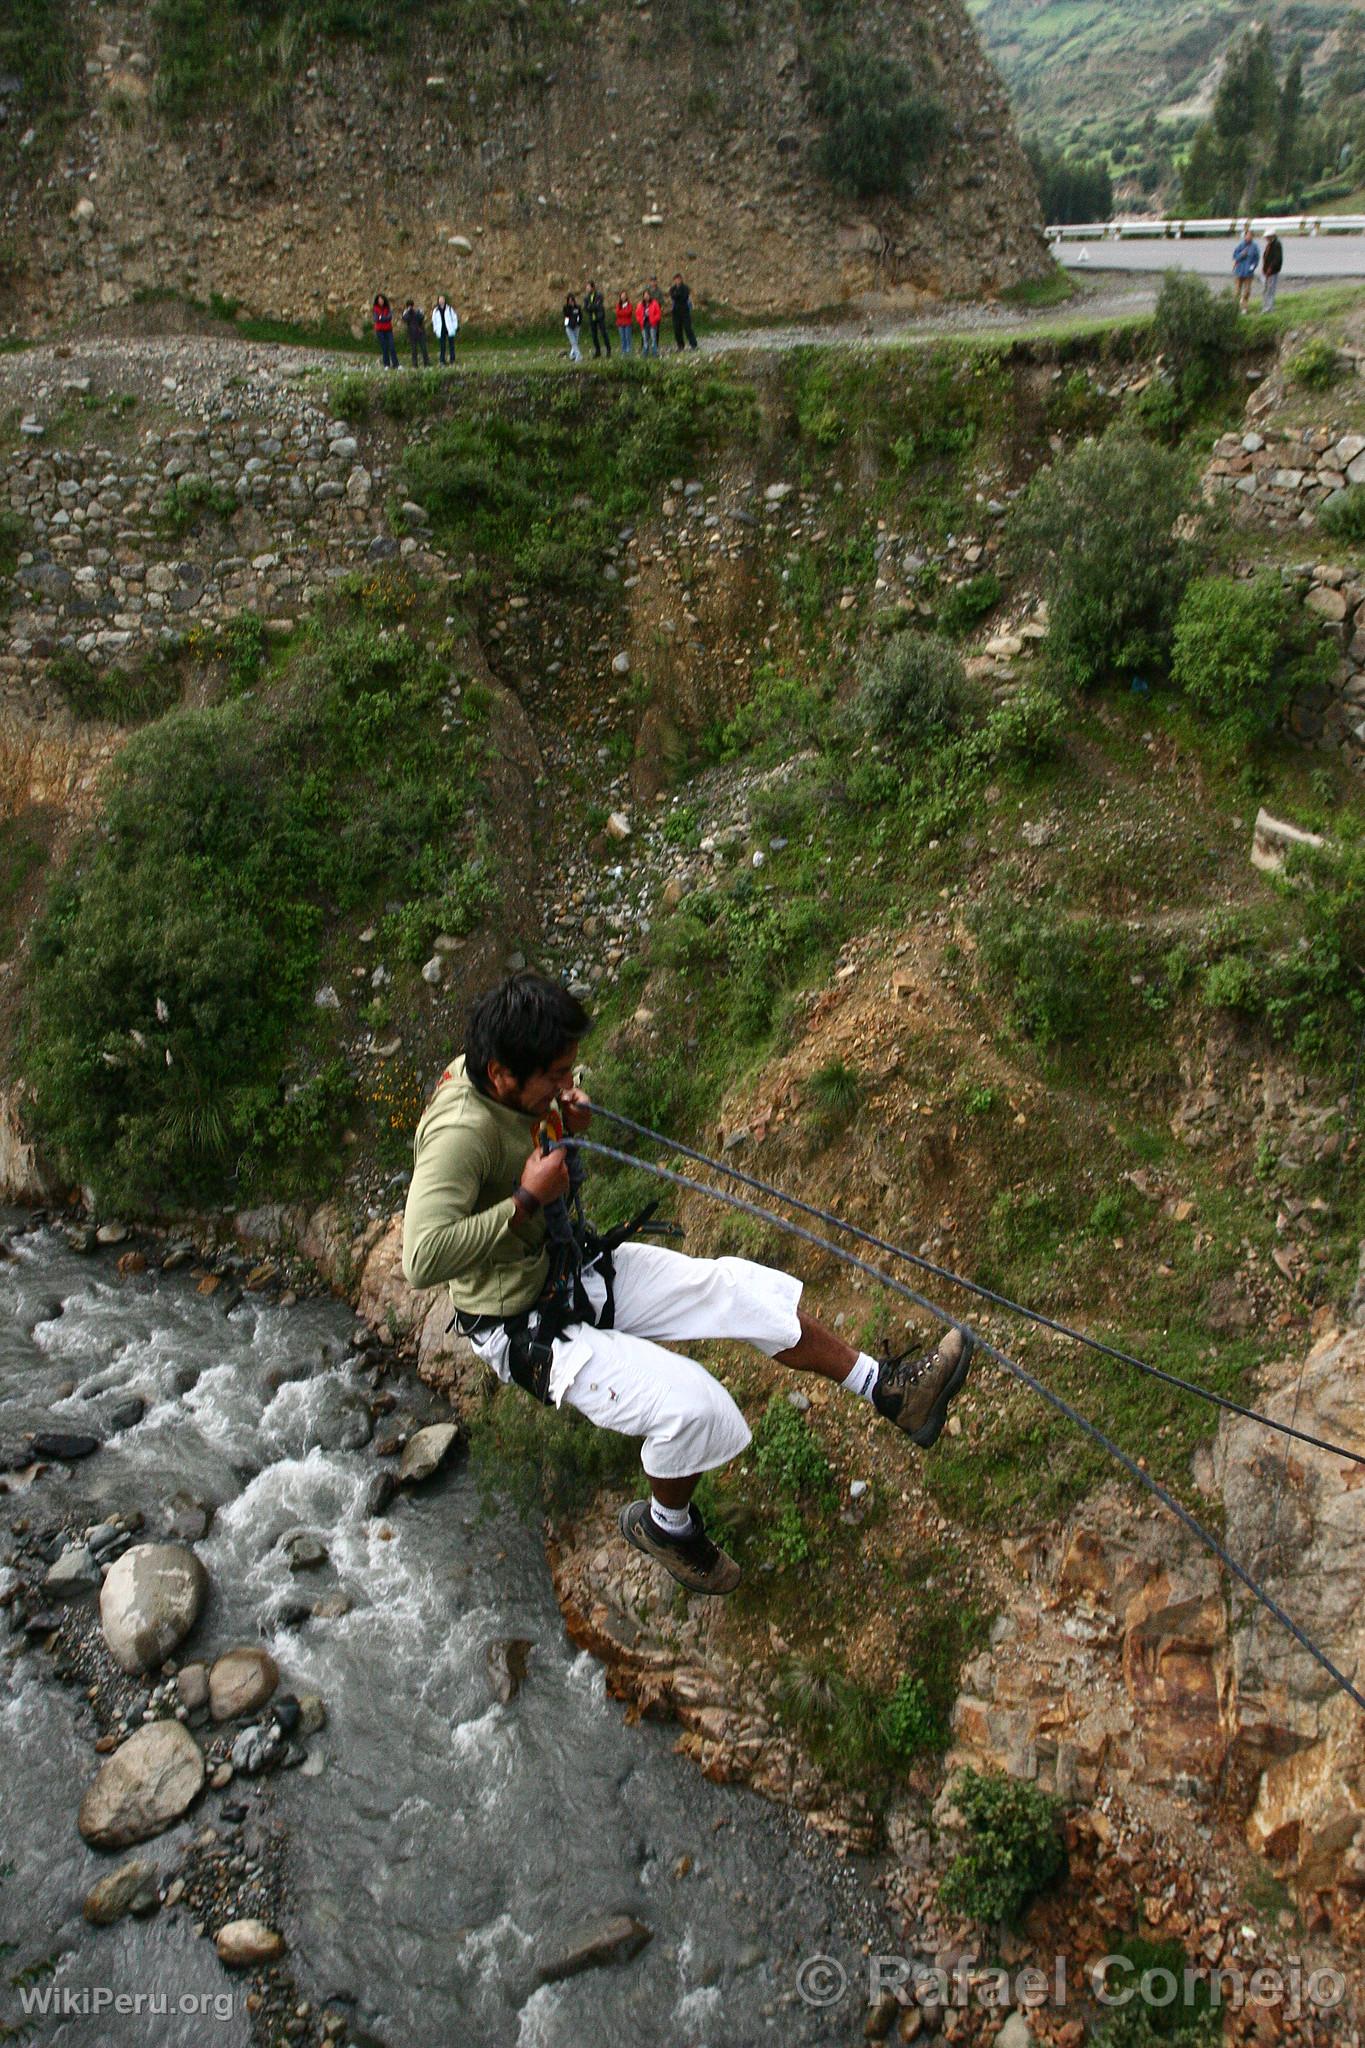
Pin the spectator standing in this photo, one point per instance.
(642, 321)
(595, 306)
(624, 318)
(415, 320)
(656, 318)
(381, 313)
(681, 296)
(573, 321)
(445, 325)
(1272, 263)
(1246, 261)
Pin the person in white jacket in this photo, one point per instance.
(445, 325)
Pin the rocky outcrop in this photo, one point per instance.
(505, 164)
(22, 1175)
(667, 1667)
(1125, 1662)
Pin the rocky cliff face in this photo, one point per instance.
(505, 172)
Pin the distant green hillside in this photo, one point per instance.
(1082, 71)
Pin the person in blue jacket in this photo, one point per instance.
(1246, 261)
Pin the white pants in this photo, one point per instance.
(623, 1379)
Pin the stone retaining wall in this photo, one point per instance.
(1284, 476)
(104, 577)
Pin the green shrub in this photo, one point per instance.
(1242, 651)
(881, 127)
(790, 1457)
(351, 394)
(1013, 1847)
(1198, 332)
(186, 502)
(124, 696)
(967, 604)
(1343, 516)
(835, 1092)
(1028, 728)
(175, 962)
(1097, 530)
(1189, 2018)
(1317, 364)
(912, 690)
(545, 1460)
(1061, 976)
(911, 1725)
(1233, 983)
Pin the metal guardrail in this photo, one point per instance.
(1179, 230)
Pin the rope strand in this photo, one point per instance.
(1032, 1315)
(1011, 1366)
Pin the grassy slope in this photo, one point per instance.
(951, 1126)
(1076, 67)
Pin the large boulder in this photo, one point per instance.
(143, 1788)
(150, 1601)
(425, 1450)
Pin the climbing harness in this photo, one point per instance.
(575, 1249)
(988, 1349)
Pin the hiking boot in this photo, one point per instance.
(914, 1393)
(693, 1560)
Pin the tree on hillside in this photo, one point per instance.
(1071, 188)
(1285, 164)
(1232, 151)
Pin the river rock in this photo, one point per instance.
(306, 1552)
(188, 1518)
(241, 1680)
(312, 1713)
(257, 1748)
(111, 1233)
(126, 1414)
(607, 1938)
(380, 1491)
(145, 1786)
(192, 1684)
(133, 1888)
(244, 1942)
(150, 1602)
(65, 1444)
(425, 1451)
(506, 1659)
(73, 1575)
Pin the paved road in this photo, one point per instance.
(1307, 256)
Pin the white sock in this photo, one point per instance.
(862, 1377)
(673, 1521)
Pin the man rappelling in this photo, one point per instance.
(582, 1320)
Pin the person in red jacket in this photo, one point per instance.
(656, 315)
(624, 317)
(381, 312)
(642, 321)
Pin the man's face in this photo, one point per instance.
(536, 1095)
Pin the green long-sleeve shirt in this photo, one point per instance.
(467, 1160)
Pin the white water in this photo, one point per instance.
(449, 1839)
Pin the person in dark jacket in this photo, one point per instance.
(1272, 263)
(573, 322)
(595, 306)
(415, 320)
(381, 313)
(681, 296)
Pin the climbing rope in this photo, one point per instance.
(1032, 1315)
(1010, 1365)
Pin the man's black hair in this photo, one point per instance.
(524, 1024)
